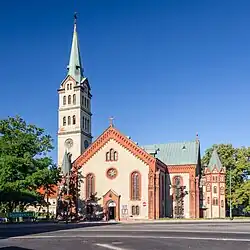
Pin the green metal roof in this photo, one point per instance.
(215, 161)
(75, 69)
(177, 153)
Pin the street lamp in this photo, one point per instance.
(230, 189)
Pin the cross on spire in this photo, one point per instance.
(111, 121)
(75, 17)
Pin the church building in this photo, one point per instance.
(132, 181)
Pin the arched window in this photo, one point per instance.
(112, 155)
(85, 124)
(107, 156)
(71, 86)
(115, 156)
(69, 99)
(222, 190)
(64, 121)
(90, 185)
(67, 86)
(74, 99)
(215, 190)
(88, 127)
(64, 100)
(86, 144)
(135, 186)
(215, 201)
(208, 187)
(222, 203)
(69, 120)
(208, 200)
(74, 120)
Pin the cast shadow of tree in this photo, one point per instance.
(14, 248)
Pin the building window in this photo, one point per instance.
(71, 86)
(83, 122)
(64, 121)
(111, 155)
(87, 103)
(208, 200)
(135, 210)
(222, 203)
(112, 173)
(86, 144)
(69, 99)
(64, 100)
(135, 186)
(90, 185)
(74, 99)
(208, 188)
(222, 190)
(74, 120)
(67, 86)
(87, 127)
(215, 190)
(215, 201)
(69, 120)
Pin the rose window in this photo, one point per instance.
(111, 173)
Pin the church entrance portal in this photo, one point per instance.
(111, 205)
(111, 210)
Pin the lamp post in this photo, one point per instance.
(230, 188)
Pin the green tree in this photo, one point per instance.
(236, 161)
(24, 164)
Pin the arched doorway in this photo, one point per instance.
(111, 205)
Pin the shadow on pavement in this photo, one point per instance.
(14, 248)
(23, 230)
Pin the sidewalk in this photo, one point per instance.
(186, 221)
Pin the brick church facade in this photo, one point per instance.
(132, 181)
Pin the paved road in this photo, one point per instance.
(151, 236)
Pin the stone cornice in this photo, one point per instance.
(75, 107)
(181, 168)
(75, 132)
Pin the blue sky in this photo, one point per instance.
(164, 69)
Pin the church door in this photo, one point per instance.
(111, 213)
(111, 205)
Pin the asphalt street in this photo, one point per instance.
(151, 236)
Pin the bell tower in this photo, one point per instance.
(74, 113)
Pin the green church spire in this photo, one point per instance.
(75, 69)
(215, 161)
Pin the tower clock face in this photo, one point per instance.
(69, 143)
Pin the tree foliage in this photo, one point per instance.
(24, 164)
(236, 161)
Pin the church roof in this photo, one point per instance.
(215, 162)
(177, 153)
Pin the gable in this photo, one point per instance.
(178, 153)
(66, 79)
(113, 134)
